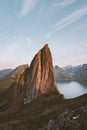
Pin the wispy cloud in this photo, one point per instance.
(65, 3)
(79, 27)
(69, 19)
(27, 6)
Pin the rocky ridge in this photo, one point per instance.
(40, 78)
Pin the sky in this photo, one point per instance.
(27, 25)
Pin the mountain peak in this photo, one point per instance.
(44, 50)
(46, 46)
(40, 79)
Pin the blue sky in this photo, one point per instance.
(27, 25)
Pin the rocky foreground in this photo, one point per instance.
(48, 112)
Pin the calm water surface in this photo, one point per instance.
(72, 89)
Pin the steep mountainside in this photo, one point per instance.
(40, 79)
(61, 75)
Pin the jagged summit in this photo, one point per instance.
(40, 78)
(46, 46)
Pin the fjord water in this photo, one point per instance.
(72, 89)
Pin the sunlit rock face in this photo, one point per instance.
(20, 78)
(40, 78)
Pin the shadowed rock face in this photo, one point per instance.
(40, 79)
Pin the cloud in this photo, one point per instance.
(64, 3)
(68, 20)
(79, 27)
(27, 6)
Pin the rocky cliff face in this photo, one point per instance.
(40, 78)
(19, 84)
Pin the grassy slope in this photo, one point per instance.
(40, 111)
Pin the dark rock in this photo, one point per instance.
(83, 117)
(66, 122)
(50, 126)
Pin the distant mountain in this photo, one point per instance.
(12, 76)
(60, 74)
(79, 72)
(5, 72)
(72, 69)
